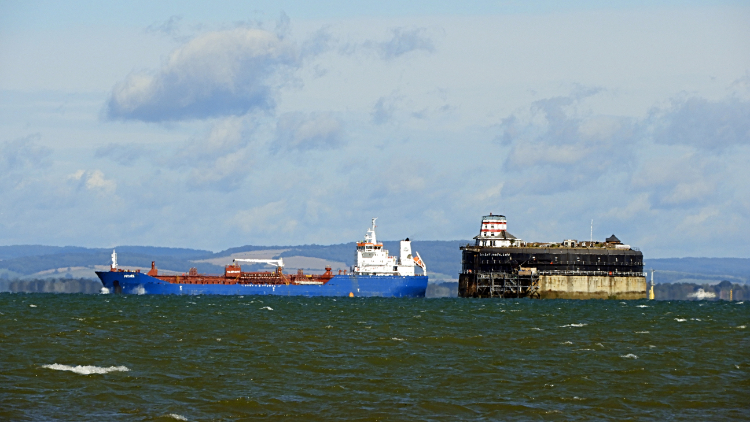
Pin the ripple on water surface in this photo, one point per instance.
(106, 357)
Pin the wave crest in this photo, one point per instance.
(86, 370)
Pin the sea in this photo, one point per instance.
(76, 357)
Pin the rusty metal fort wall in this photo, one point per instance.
(552, 272)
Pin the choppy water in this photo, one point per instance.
(145, 358)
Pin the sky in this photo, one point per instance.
(218, 124)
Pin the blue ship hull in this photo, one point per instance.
(340, 285)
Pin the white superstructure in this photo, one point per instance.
(372, 259)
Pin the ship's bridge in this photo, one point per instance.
(372, 259)
(365, 246)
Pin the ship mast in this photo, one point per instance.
(370, 236)
(114, 259)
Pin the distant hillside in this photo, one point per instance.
(699, 270)
(443, 259)
(28, 265)
(19, 251)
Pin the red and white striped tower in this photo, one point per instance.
(494, 233)
(493, 226)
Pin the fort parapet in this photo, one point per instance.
(502, 265)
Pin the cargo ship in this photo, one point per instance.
(504, 266)
(375, 274)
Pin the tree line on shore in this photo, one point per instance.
(691, 291)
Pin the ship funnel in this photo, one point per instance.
(405, 256)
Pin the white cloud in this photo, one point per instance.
(404, 41)
(272, 217)
(96, 181)
(216, 74)
(554, 148)
(404, 176)
(220, 160)
(383, 110)
(686, 192)
(93, 180)
(126, 154)
(687, 180)
(692, 221)
(300, 131)
(636, 206)
(566, 154)
(77, 176)
(226, 135)
(23, 153)
(490, 193)
(170, 27)
(225, 173)
(702, 123)
(21, 160)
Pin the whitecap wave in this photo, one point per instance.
(138, 290)
(629, 356)
(701, 294)
(178, 417)
(642, 306)
(397, 339)
(741, 327)
(573, 325)
(642, 332)
(267, 307)
(680, 319)
(32, 306)
(86, 370)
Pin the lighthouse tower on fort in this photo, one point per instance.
(494, 233)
